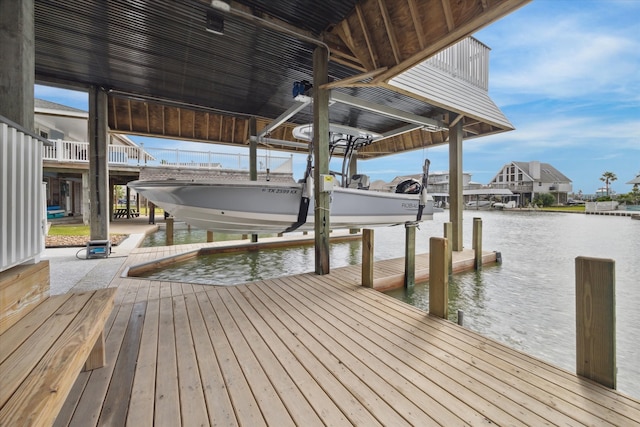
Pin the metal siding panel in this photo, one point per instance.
(21, 195)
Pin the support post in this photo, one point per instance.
(447, 235)
(18, 68)
(455, 184)
(410, 255)
(596, 320)
(152, 212)
(169, 231)
(477, 243)
(209, 236)
(367, 258)
(321, 158)
(438, 277)
(98, 164)
(253, 158)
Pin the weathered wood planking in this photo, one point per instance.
(309, 349)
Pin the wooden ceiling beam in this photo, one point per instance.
(390, 31)
(448, 14)
(365, 33)
(417, 24)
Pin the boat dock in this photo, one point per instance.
(315, 350)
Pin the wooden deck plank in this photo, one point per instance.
(535, 386)
(296, 404)
(244, 403)
(267, 397)
(308, 349)
(167, 398)
(377, 396)
(348, 403)
(141, 404)
(116, 401)
(214, 389)
(87, 412)
(443, 387)
(315, 396)
(192, 403)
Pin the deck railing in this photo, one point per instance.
(22, 217)
(78, 152)
(467, 60)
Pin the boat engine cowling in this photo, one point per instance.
(409, 186)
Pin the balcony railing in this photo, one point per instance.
(467, 60)
(78, 152)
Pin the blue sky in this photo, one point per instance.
(566, 73)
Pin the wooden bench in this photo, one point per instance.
(44, 343)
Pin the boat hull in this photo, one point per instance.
(266, 207)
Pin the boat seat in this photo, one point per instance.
(359, 181)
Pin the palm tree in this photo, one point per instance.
(607, 178)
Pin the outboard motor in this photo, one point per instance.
(409, 186)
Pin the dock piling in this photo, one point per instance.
(410, 255)
(477, 243)
(367, 258)
(595, 320)
(169, 231)
(438, 277)
(448, 233)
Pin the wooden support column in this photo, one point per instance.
(18, 66)
(253, 158)
(596, 320)
(447, 235)
(455, 185)
(477, 243)
(209, 236)
(98, 164)
(128, 202)
(438, 277)
(321, 158)
(410, 255)
(367, 258)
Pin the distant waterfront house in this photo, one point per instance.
(635, 181)
(531, 178)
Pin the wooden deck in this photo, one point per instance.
(315, 350)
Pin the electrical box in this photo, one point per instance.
(98, 248)
(326, 183)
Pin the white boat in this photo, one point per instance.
(274, 207)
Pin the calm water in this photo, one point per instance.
(527, 302)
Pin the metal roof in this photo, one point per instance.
(157, 57)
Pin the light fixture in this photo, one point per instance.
(221, 5)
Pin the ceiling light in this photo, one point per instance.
(221, 5)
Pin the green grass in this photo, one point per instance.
(564, 208)
(69, 230)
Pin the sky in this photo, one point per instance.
(566, 73)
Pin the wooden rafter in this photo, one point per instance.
(448, 14)
(417, 24)
(366, 35)
(389, 30)
(349, 82)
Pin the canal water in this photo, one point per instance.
(527, 302)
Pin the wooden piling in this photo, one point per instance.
(367, 258)
(438, 277)
(209, 236)
(169, 231)
(448, 233)
(410, 255)
(477, 242)
(595, 320)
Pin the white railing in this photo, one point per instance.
(78, 152)
(467, 60)
(22, 217)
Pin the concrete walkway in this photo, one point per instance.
(72, 272)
